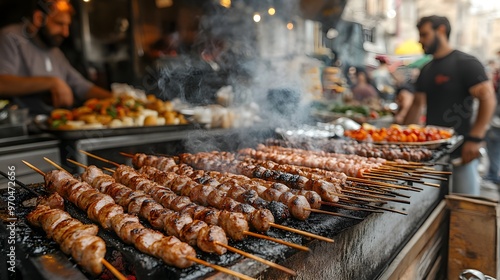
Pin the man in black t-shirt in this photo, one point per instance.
(448, 85)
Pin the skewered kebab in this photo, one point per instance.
(313, 197)
(193, 232)
(169, 179)
(164, 163)
(316, 173)
(322, 154)
(278, 209)
(208, 238)
(386, 151)
(236, 223)
(211, 161)
(352, 165)
(170, 249)
(75, 239)
(141, 159)
(228, 158)
(238, 189)
(246, 196)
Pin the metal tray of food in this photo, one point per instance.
(75, 134)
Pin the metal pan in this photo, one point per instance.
(41, 122)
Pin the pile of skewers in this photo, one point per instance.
(388, 151)
(203, 200)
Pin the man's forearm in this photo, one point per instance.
(15, 86)
(485, 93)
(97, 92)
(485, 112)
(413, 115)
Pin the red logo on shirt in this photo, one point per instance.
(441, 79)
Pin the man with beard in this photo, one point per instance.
(34, 73)
(448, 86)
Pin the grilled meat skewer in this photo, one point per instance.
(74, 238)
(236, 186)
(223, 161)
(260, 219)
(170, 249)
(182, 226)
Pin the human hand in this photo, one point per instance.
(61, 93)
(470, 151)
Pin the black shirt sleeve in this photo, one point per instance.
(472, 72)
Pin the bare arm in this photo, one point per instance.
(97, 92)
(415, 111)
(11, 85)
(404, 100)
(61, 93)
(485, 93)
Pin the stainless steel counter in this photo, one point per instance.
(30, 148)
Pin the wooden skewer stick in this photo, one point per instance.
(34, 168)
(391, 162)
(411, 167)
(230, 248)
(425, 183)
(379, 192)
(127, 155)
(220, 268)
(79, 164)
(354, 187)
(382, 197)
(385, 177)
(433, 172)
(389, 209)
(364, 194)
(396, 172)
(55, 165)
(113, 270)
(99, 158)
(289, 244)
(425, 176)
(432, 184)
(390, 179)
(272, 224)
(333, 214)
(109, 266)
(395, 176)
(338, 205)
(109, 169)
(404, 178)
(357, 198)
(412, 173)
(381, 184)
(259, 259)
(378, 189)
(301, 232)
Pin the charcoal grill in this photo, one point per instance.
(362, 250)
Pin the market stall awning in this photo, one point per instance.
(409, 47)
